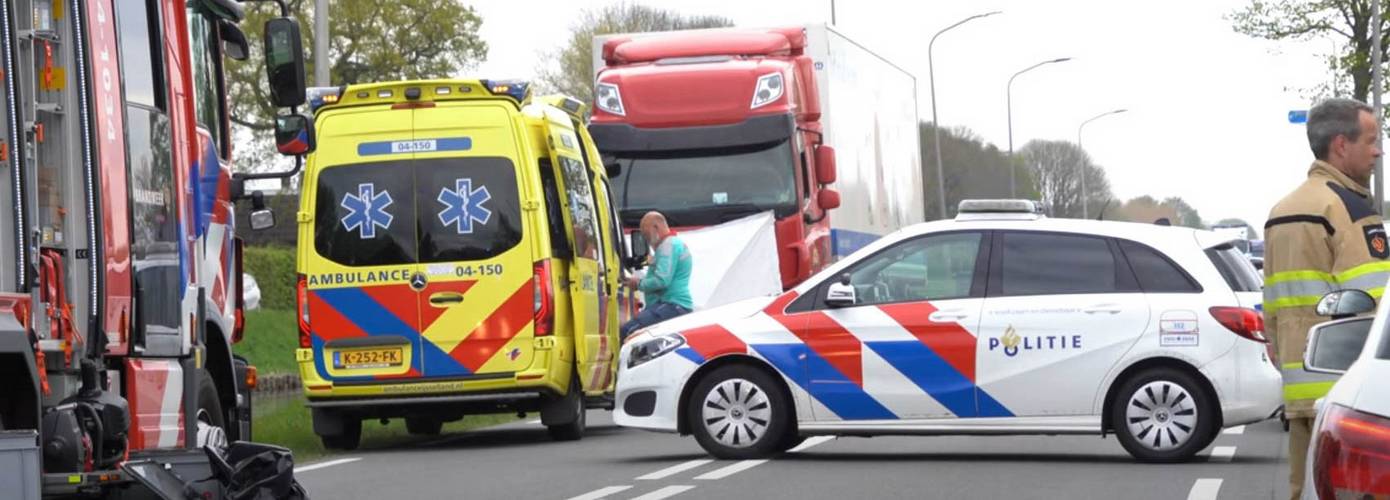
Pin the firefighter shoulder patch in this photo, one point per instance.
(1376, 242)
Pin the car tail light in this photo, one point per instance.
(302, 302)
(1352, 455)
(1243, 321)
(544, 299)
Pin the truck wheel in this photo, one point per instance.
(348, 439)
(212, 423)
(1163, 415)
(564, 417)
(423, 426)
(739, 412)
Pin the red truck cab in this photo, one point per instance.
(711, 126)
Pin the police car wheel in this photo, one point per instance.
(1163, 415)
(739, 412)
(349, 438)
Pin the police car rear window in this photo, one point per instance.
(411, 211)
(1235, 268)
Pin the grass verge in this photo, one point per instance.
(286, 422)
(270, 340)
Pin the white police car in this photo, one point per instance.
(998, 322)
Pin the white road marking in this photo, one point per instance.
(1222, 454)
(321, 465)
(673, 470)
(601, 493)
(809, 442)
(730, 470)
(1235, 431)
(666, 492)
(1205, 489)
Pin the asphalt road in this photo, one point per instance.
(519, 461)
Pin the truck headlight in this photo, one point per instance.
(607, 98)
(769, 89)
(654, 348)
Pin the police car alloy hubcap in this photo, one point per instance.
(1161, 415)
(736, 413)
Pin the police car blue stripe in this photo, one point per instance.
(690, 354)
(939, 379)
(831, 388)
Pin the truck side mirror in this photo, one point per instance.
(1345, 303)
(825, 165)
(294, 135)
(234, 42)
(262, 217)
(284, 62)
(1333, 346)
(828, 199)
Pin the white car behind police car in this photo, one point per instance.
(998, 322)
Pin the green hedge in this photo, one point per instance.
(273, 267)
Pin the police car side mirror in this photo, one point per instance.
(1345, 303)
(284, 62)
(1333, 346)
(294, 135)
(262, 217)
(840, 294)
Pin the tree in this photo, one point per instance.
(569, 69)
(1348, 21)
(972, 168)
(370, 41)
(1055, 166)
(1186, 215)
(1249, 230)
(1147, 210)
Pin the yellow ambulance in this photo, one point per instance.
(458, 254)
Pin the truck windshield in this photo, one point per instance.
(708, 186)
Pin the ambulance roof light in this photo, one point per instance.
(518, 90)
(318, 97)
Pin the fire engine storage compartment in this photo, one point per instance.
(19, 464)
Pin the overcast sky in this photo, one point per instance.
(1208, 107)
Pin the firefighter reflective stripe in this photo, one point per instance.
(1302, 384)
(1370, 277)
(1297, 289)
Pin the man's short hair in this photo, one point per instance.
(1332, 118)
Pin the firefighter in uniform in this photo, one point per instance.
(1322, 237)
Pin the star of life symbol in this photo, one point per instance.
(367, 210)
(463, 205)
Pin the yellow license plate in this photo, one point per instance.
(368, 358)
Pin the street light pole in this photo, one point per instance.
(1376, 78)
(936, 125)
(1085, 198)
(321, 43)
(1009, 90)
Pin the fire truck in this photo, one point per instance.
(120, 289)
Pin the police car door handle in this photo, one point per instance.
(1102, 308)
(947, 316)
(445, 299)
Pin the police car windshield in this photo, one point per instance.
(699, 187)
(409, 211)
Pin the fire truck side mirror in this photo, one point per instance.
(294, 135)
(828, 199)
(234, 42)
(825, 165)
(261, 216)
(284, 62)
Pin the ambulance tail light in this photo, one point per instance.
(1352, 455)
(301, 297)
(1242, 321)
(544, 299)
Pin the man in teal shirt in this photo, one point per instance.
(666, 287)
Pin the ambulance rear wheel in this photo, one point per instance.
(423, 426)
(739, 412)
(564, 417)
(1163, 415)
(348, 439)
